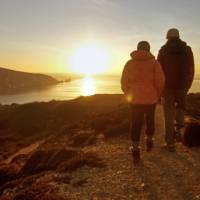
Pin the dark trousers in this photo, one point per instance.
(174, 107)
(139, 113)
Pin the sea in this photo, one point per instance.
(81, 86)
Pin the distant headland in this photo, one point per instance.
(16, 81)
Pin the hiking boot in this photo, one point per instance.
(149, 144)
(136, 156)
(170, 147)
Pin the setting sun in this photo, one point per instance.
(90, 59)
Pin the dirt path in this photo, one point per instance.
(25, 150)
(160, 176)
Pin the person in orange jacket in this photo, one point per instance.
(142, 82)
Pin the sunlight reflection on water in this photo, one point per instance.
(88, 86)
(104, 84)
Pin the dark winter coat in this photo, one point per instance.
(177, 62)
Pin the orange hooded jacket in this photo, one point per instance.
(142, 79)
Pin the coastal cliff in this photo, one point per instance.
(15, 81)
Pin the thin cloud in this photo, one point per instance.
(103, 3)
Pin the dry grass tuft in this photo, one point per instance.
(49, 159)
(82, 138)
(8, 173)
(36, 191)
(90, 159)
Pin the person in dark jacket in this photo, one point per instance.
(177, 61)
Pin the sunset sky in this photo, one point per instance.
(48, 35)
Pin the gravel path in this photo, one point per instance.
(160, 176)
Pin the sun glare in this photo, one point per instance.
(90, 59)
(88, 86)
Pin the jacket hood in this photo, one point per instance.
(175, 46)
(142, 55)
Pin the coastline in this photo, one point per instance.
(73, 89)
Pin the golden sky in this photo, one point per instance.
(52, 36)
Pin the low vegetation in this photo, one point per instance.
(84, 146)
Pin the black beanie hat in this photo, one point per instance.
(143, 45)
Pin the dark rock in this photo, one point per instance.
(191, 136)
(193, 105)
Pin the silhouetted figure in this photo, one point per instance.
(142, 82)
(177, 62)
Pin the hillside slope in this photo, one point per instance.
(87, 155)
(14, 81)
